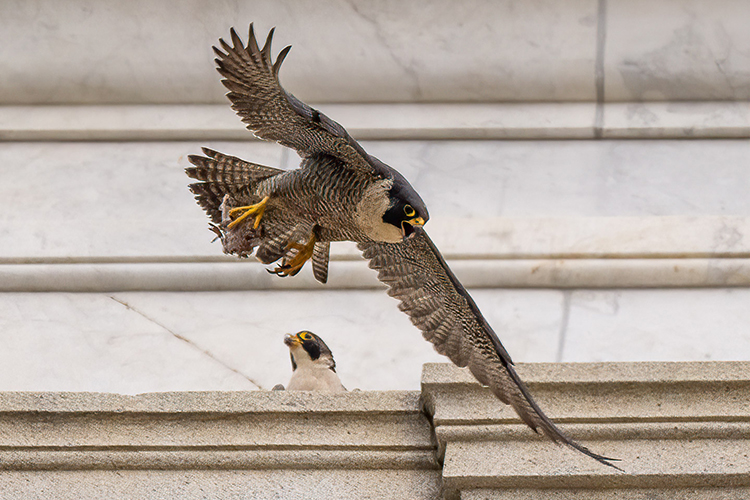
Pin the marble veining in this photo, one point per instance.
(677, 50)
(344, 50)
(47, 211)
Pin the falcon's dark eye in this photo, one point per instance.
(409, 211)
(305, 335)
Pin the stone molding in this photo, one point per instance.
(407, 121)
(682, 430)
(517, 252)
(347, 275)
(373, 436)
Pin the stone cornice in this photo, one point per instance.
(682, 430)
(675, 426)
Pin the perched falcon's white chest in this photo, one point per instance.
(313, 375)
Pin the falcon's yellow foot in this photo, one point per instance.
(256, 210)
(304, 252)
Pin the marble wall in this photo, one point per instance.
(87, 51)
(81, 200)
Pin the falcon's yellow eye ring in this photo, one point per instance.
(305, 335)
(409, 211)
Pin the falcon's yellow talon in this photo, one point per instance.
(258, 209)
(304, 253)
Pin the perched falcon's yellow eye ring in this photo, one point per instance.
(409, 211)
(304, 335)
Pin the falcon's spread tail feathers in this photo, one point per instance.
(222, 175)
(440, 306)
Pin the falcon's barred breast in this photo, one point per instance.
(342, 193)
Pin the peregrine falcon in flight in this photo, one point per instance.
(313, 367)
(342, 193)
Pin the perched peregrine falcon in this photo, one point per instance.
(342, 193)
(313, 367)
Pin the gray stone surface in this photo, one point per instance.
(677, 427)
(285, 484)
(605, 323)
(688, 493)
(681, 430)
(218, 445)
(563, 273)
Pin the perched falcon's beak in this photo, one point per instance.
(291, 340)
(407, 226)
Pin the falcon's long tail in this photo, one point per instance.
(220, 175)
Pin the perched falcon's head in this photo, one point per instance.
(312, 364)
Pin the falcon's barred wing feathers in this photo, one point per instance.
(274, 114)
(437, 303)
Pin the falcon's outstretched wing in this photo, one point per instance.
(440, 306)
(276, 115)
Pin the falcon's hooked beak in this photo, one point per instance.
(407, 226)
(292, 340)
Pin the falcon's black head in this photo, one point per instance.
(406, 210)
(306, 347)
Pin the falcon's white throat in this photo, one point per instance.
(313, 375)
(370, 210)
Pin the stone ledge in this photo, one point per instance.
(738, 493)
(674, 441)
(458, 238)
(676, 426)
(233, 431)
(231, 402)
(534, 252)
(438, 121)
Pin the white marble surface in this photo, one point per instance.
(84, 342)
(677, 50)
(344, 50)
(658, 325)
(233, 340)
(689, 120)
(495, 271)
(113, 200)
(408, 121)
